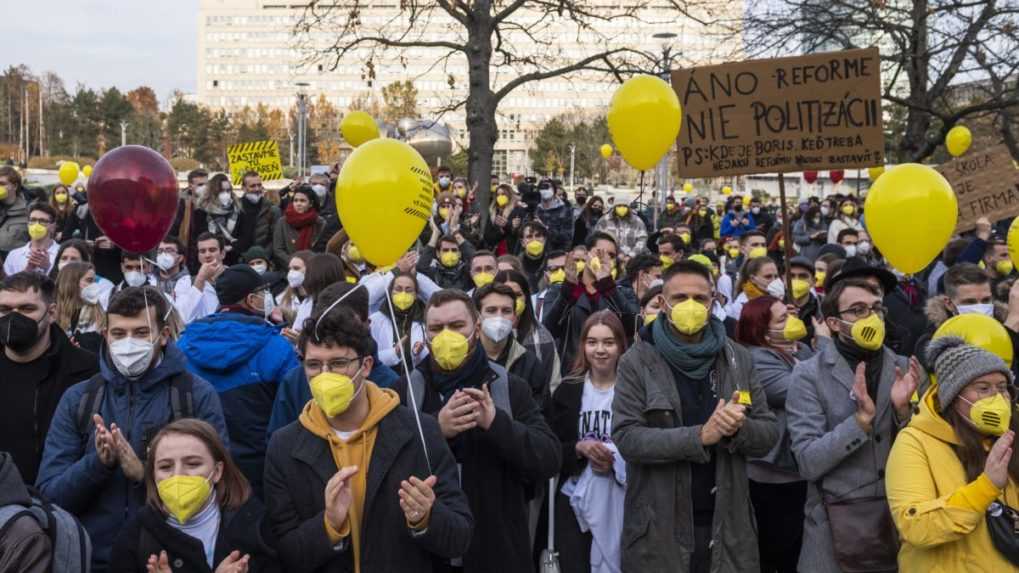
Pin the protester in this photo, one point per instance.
(258, 216)
(777, 490)
(378, 489)
(556, 216)
(40, 254)
(444, 260)
(810, 233)
(401, 344)
(844, 407)
(533, 239)
(14, 202)
(847, 218)
(244, 357)
(952, 473)
(505, 217)
(807, 303)
(532, 334)
(295, 293)
(555, 274)
(102, 427)
(60, 200)
(79, 312)
(38, 362)
(686, 414)
(324, 269)
(848, 239)
(626, 228)
(174, 280)
(258, 259)
(587, 220)
(217, 213)
(496, 432)
(199, 514)
(758, 277)
(736, 221)
(299, 227)
(483, 267)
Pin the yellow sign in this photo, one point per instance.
(262, 157)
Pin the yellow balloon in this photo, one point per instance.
(911, 242)
(87, 170)
(644, 119)
(979, 330)
(1012, 240)
(726, 190)
(958, 140)
(874, 172)
(746, 200)
(68, 172)
(358, 127)
(384, 198)
(688, 188)
(605, 150)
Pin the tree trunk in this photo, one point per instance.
(481, 105)
(917, 121)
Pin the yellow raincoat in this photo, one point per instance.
(940, 515)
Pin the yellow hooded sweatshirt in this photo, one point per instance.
(940, 515)
(355, 451)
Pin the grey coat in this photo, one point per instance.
(802, 231)
(658, 532)
(13, 222)
(829, 444)
(284, 240)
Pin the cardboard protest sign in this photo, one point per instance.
(815, 112)
(260, 156)
(986, 183)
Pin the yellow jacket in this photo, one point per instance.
(940, 516)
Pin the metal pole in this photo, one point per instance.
(573, 157)
(788, 250)
(123, 133)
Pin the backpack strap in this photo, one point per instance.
(182, 400)
(90, 403)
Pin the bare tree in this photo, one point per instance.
(503, 44)
(936, 54)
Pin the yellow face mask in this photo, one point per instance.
(819, 277)
(535, 248)
(666, 261)
(990, 416)
(502, 200)
(184, 496)
(519, 306)
(1003, 268)
(332, 392)
(449, 349)
(733, 252)
(685, 237)
(868, 333)
(581, 265)
(354, 254)
(482, 279)
(60, 198)
(689, 316)
(449, 259)
(557, 276)
(800, 288)
(794, 329)
(3, 192)
(649, 318)
(403, 300)
(670, 207)
(848, 210)
(752, 291)
(622, 211)
(351, 280)
(757, 252)
(444, 213)
(36, 231)
(702, 212)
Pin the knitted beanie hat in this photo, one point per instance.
(957, 363)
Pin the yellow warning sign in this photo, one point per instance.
(262, 157)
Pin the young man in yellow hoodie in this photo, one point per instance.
(354, 485)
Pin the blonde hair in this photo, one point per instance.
(69, 301)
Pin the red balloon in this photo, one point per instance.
(132, 194)
(836, 175)
(810, 176)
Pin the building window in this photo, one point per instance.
(215, 83)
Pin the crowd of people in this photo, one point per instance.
(564, 382)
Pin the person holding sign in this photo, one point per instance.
(686, 415)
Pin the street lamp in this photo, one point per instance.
(302, 127)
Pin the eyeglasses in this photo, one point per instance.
(334, 365)
(861, 311)
(44, 221)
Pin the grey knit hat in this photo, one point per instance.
(957, 363)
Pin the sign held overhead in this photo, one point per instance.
(986, 183)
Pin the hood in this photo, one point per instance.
(937, 310)
(380, 402)
(171, 363)
(930, 422)
(12, 487)
(225, 340)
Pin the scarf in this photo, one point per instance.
(222, 220)
(304, 223)
(694, 359)
(854, 355)
(468, 375)
(752, 291)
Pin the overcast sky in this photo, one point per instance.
(101, 43)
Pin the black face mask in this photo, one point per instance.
(597, 212)
(18, 332)
(581, 200)
(737, 207)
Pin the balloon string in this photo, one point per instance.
(410, 389)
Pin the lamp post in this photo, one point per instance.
(573, 162)
(662, 169)
(302, 127)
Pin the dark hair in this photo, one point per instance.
(750, 268)
(847, 232)
(357, 301)
(686, 267)
(492, 288)
(527, 322)
(341, 327)
(513, 260)
(447, 239)
(970, 448)
(133, 301)
(233, 489)
(29, 280)
(677, 243)
(323, 269)
(175, 241)
(448, 295)
(45, 208)
(650, 294)
(481, 253)
(593, 239)
(537, 227)
(754, 320)
(417, 311)
(964, 274)
(641, 263)
(249, 173)
(830, 304)
(308, 192)
(216, 183)
(79, 245)
(554, 255)
(207, 236)
(991, 244)
(602, 317)
(953, 251)
(12, 175)
(195, 174)
(749, 234)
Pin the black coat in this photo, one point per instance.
(564, 316)
(243, 530)
(298, 466)
(28, 409)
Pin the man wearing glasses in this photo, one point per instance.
(844, 408)
(41, 251)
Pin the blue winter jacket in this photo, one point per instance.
(294, 393)
(71, 474)
(244, 358)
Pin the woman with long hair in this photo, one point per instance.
(505, 216)
(758, 277)
(323, 269)
(777, 490)
(71, 251)
(405, 340)
(581, 417)
(952, 478)
(199, 514)
(217, 212)
(60, 200)
(589, 217)
(531, 333)
(79, 312)
(294, 294)
(299, 227)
